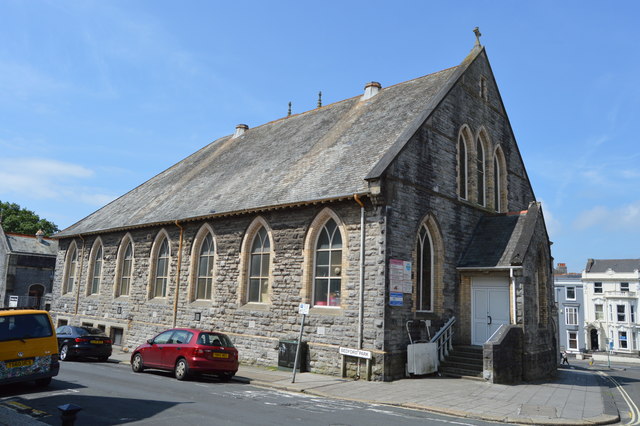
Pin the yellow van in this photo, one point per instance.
(28, 347)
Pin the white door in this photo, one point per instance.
(489, 307)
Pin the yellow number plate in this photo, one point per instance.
(96, 342)
(219, 355)
(21, 363)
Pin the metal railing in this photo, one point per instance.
(444, 339)
(30, 302)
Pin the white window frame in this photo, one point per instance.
(571, 315)
(573, 289)
(624, 287)
(569, 340)
(597, 288)
(623, 313)
(620, 340)
(595, 312)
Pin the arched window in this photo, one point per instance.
(462, 167)
(258, 290)
(424, 271)
(96, 270)
(161, 276)
(497, 172)
(480, 172)
(71, 267)
(126, 270)
(204, 280)
(327, 281)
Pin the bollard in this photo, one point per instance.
(68, 413)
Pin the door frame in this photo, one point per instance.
(489, 282)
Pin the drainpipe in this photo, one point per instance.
(175, 301)
(361, 300)
(79, 276)
(513, 297)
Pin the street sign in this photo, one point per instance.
(359, 353)
(303, 309)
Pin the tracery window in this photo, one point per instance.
(161, 275)
(424, 271)
(480, 169)
(126, 270)
(327, 283)
(204, 279)
(259, 267)
(72, 263)
(96, 270)
(462, 167)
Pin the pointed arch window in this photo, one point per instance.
(72, 263)
(259, 267)
(462, 167)
(424, 271)
(126, 270)
(497, 174)
(328, 266)
(204, 280)
(161, 271)
(480, 172)
(96, 270)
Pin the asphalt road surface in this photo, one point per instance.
(111, 394)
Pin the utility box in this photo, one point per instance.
(422, 358)
(287, 355)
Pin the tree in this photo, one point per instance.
(22, 221)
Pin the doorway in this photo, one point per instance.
(594, 340)
(489, 307)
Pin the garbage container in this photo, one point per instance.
(287, 355)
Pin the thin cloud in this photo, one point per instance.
(41, 178)
(622, 219)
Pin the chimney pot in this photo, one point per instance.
(371, 89)
(240, 129)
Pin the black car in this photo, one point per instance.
(83, 342)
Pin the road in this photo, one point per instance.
(111, 394)
(625, 380)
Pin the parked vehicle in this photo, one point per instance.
(28, 347)
(187, 352)
(83, 342)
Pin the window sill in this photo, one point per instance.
(328, 310)
(255, 306)
(201, 303)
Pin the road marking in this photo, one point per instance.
(634, 413)
(25, 409)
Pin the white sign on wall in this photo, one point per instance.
(13, 301)
(303, 309)
(400, 276)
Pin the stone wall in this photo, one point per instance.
(422, 184)
(256, 329)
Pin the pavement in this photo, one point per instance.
(578, 395)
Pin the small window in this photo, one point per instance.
(622, 340)
(116, 335)
(597, 287)
(599, 311)
(571, 315)
(571, 293)
(622, 316)
(624, 287)
(572, 340)
(483, 88)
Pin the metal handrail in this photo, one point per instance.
(444, 338)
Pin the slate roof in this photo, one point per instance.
(323, 154)
(26, 244)
(501, 241)
(616, 265)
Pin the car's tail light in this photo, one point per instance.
(79, 340)
(107, 341)
(198, 352)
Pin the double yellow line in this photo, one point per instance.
(633, 408)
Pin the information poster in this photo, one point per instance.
(400, 276)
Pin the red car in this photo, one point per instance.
(186, 352)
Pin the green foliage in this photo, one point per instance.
(22, 221)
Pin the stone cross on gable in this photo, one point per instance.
(476, 31)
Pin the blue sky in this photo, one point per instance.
(99, 96)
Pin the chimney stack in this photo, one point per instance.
(371, 89)
(40, 235)
(240, 129)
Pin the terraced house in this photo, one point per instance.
(403, 204)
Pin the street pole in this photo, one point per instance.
(297, 360)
